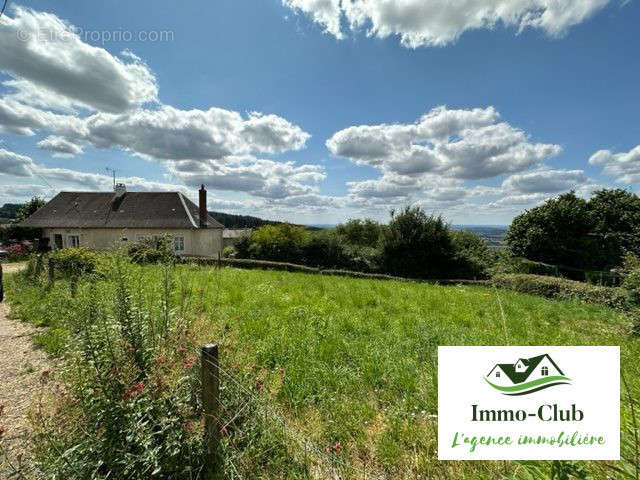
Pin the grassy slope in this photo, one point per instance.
(354, 361)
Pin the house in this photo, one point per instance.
(107, 220)
(524, 369)
(231, 235)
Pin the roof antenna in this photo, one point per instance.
(113, 172)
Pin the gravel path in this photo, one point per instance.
(21, 365)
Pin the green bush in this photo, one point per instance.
(154, 250)
(75, 261)
(417, 245)
(562, 288)
(228, 252)
(473, 257)
(631, 277)
(129, 407)
(280, 243)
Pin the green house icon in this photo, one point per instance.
(526, 375)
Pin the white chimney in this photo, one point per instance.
(120, 189)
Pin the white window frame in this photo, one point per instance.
(178, 243)
(73, 241)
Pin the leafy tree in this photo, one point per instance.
(283, 243)
(29, 208)
(556, 232)
(473, 257)
(365, 232)
(615, 214)
(571, 231)
(417, 245)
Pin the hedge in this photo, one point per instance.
(563, 289)
(293, 267)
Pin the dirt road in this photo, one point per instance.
(21, 366)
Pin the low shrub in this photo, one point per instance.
(631, 277)
(562, 288)
(127, 405)
(75, 261)
(228, 252)
(152, 251)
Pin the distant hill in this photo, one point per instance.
(9, 211)
(492, 234)
(246, 221)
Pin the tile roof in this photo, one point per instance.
(106, 210)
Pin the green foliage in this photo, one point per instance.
(631, 277)
(562, 288)
(556, 232)
(571, 231)
(280, 243)
(75, 261)
(616, 223)
(348, 362)
(417, 245)
(130, 390)
(365, 233)
(29, 208)
(10, 210)
(229, 251)
(158, 249)
(473, 257)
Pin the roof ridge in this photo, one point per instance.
(184, 205)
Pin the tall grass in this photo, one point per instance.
(350, 363)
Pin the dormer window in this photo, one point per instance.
(497, 374)
(544, 371)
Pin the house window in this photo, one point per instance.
(74, 241)
(178, 244)
(497, 374)
(545, 371)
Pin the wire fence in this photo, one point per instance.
(253, 434)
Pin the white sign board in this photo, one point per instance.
(528, 403)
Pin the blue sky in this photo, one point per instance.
(365, 105)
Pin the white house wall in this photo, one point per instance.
(202, 242)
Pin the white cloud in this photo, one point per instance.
(172, 134)
(624, 167)
(440, 22)
(463, 144)
(60, 146)
(14, 164)
(258, 177)
(545, 181)
(21, 119)
(43, 50)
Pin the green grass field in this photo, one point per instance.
(354, 362)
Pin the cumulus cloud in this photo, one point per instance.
(12, 163)
(545, 181)
(40, 49)
(463, 144)
(440, 22)
(169, 133)
(60, 146)
(21, 119)
(259, 177)
(624, 167)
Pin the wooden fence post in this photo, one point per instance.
(38, 269)
(51, 270)
(211, 404)
(1, 287)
